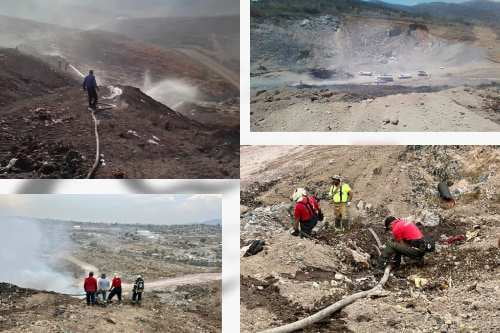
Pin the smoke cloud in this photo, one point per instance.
(87, 14)
(171, 92)
(24, 256)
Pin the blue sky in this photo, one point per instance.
(414, 2)
(154, 209)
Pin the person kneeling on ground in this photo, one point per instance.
(90, 287)
(407, 241)
(103, 285)
(306, 212)
(116, 289)
(138, 290)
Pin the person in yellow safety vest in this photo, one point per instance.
(340, 195)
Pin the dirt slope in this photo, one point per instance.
(27, 79)
(294, 277)
(52, 135)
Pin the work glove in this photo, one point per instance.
(348, 204)
(295, 232)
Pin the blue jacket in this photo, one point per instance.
(89, 82)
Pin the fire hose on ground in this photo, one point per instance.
(337, 306)
(97, 150)
(328, 311)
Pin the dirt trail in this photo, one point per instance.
(199, 278)
(229, 75)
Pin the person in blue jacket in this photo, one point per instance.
(90, 86)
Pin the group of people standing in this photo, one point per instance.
(99, 288)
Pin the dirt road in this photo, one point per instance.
(455, 109)
(199, 278)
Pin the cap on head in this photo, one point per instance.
(298, 194)
(336, 178)
(388, 221)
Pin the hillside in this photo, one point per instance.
(295, 277)
(48, 132)
(50, 312)
(217, 36)
(474, 11)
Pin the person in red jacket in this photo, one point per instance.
(116, 289)
(407, 241)
(90, 287)
(305, 213)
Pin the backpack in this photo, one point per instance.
(310, 208)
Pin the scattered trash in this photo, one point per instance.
(133, 133)
(453, 239)
(153, 142)
(418, 281)
(255, 247)
(469, 235)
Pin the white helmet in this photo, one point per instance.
(298, 194)
(337, 177)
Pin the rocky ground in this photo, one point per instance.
(292, 277)
(377, 108)
(48, 133)
(180, 309)
(319, 72)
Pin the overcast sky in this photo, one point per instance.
(414, 2)
(153, 209)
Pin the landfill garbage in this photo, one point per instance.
(471, 234)
(418, 281)
(255, 247)
(453, 239)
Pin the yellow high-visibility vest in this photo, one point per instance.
(337, 195)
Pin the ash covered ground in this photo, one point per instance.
(293, 278)
(181, 266)
(170, 107)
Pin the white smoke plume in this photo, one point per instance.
(170, 92)
(23, 258)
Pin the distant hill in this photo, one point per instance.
(316, 7)
(80, 14)
(485, 11)
(212, 222)
(470, 11)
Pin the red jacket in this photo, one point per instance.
(304, 209)
(90, 284)
(116, 283)
(405, 230)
